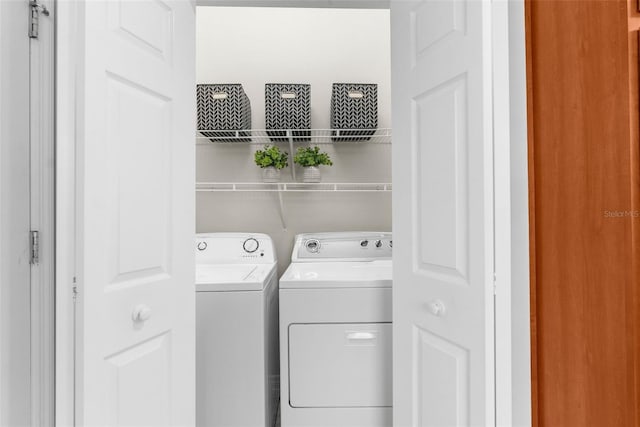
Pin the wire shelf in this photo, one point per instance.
(292, 187)
(294, 136)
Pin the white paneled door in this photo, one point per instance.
(442, 213)
(135, 331)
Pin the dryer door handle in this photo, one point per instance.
(361, 336)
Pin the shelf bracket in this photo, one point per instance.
(283, 220)
(291, 154)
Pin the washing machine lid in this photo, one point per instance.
(324, 275)
(233, 277)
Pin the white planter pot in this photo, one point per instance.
(311, 174)
(270, 174)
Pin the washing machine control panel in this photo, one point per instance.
(345, 246)
(251, 245)
(312, 245)
(234, 248)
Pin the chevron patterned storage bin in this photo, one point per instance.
(222, 110)
(354, 106)
(288, 106)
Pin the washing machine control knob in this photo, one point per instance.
(364, 243)
(378, 243)
(312, 246)
(202, 246)
(250, 245)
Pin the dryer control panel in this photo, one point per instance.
(342, 246)
(234, 248)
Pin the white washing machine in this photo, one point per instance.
(237, 367)
(335, 331)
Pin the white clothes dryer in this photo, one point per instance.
(237, 367)
(335, 331)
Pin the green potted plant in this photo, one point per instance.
(271, 160)
(310, 158)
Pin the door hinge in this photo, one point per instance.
(34, 17)
(495, 283)
(35, 247)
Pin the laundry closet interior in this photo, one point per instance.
(242, 53)
(316, 46)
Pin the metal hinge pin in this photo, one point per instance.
(34, 24)
(35, 247)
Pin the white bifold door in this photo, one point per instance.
(442, 213)
(135, 348)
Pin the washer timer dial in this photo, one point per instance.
(250, 245)
(312, 246)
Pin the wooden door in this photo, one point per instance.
(584, 210)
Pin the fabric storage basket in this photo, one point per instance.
(354, 106)
(288, 106)
(223, 110)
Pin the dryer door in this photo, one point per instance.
(336, 365)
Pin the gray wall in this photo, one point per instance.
(254, 46)
(348, 4)
(15, 374)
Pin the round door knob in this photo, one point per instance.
(437, 308)
(141, 313)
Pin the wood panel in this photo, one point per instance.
(584, 197)
(633, 293)
(532, 222)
